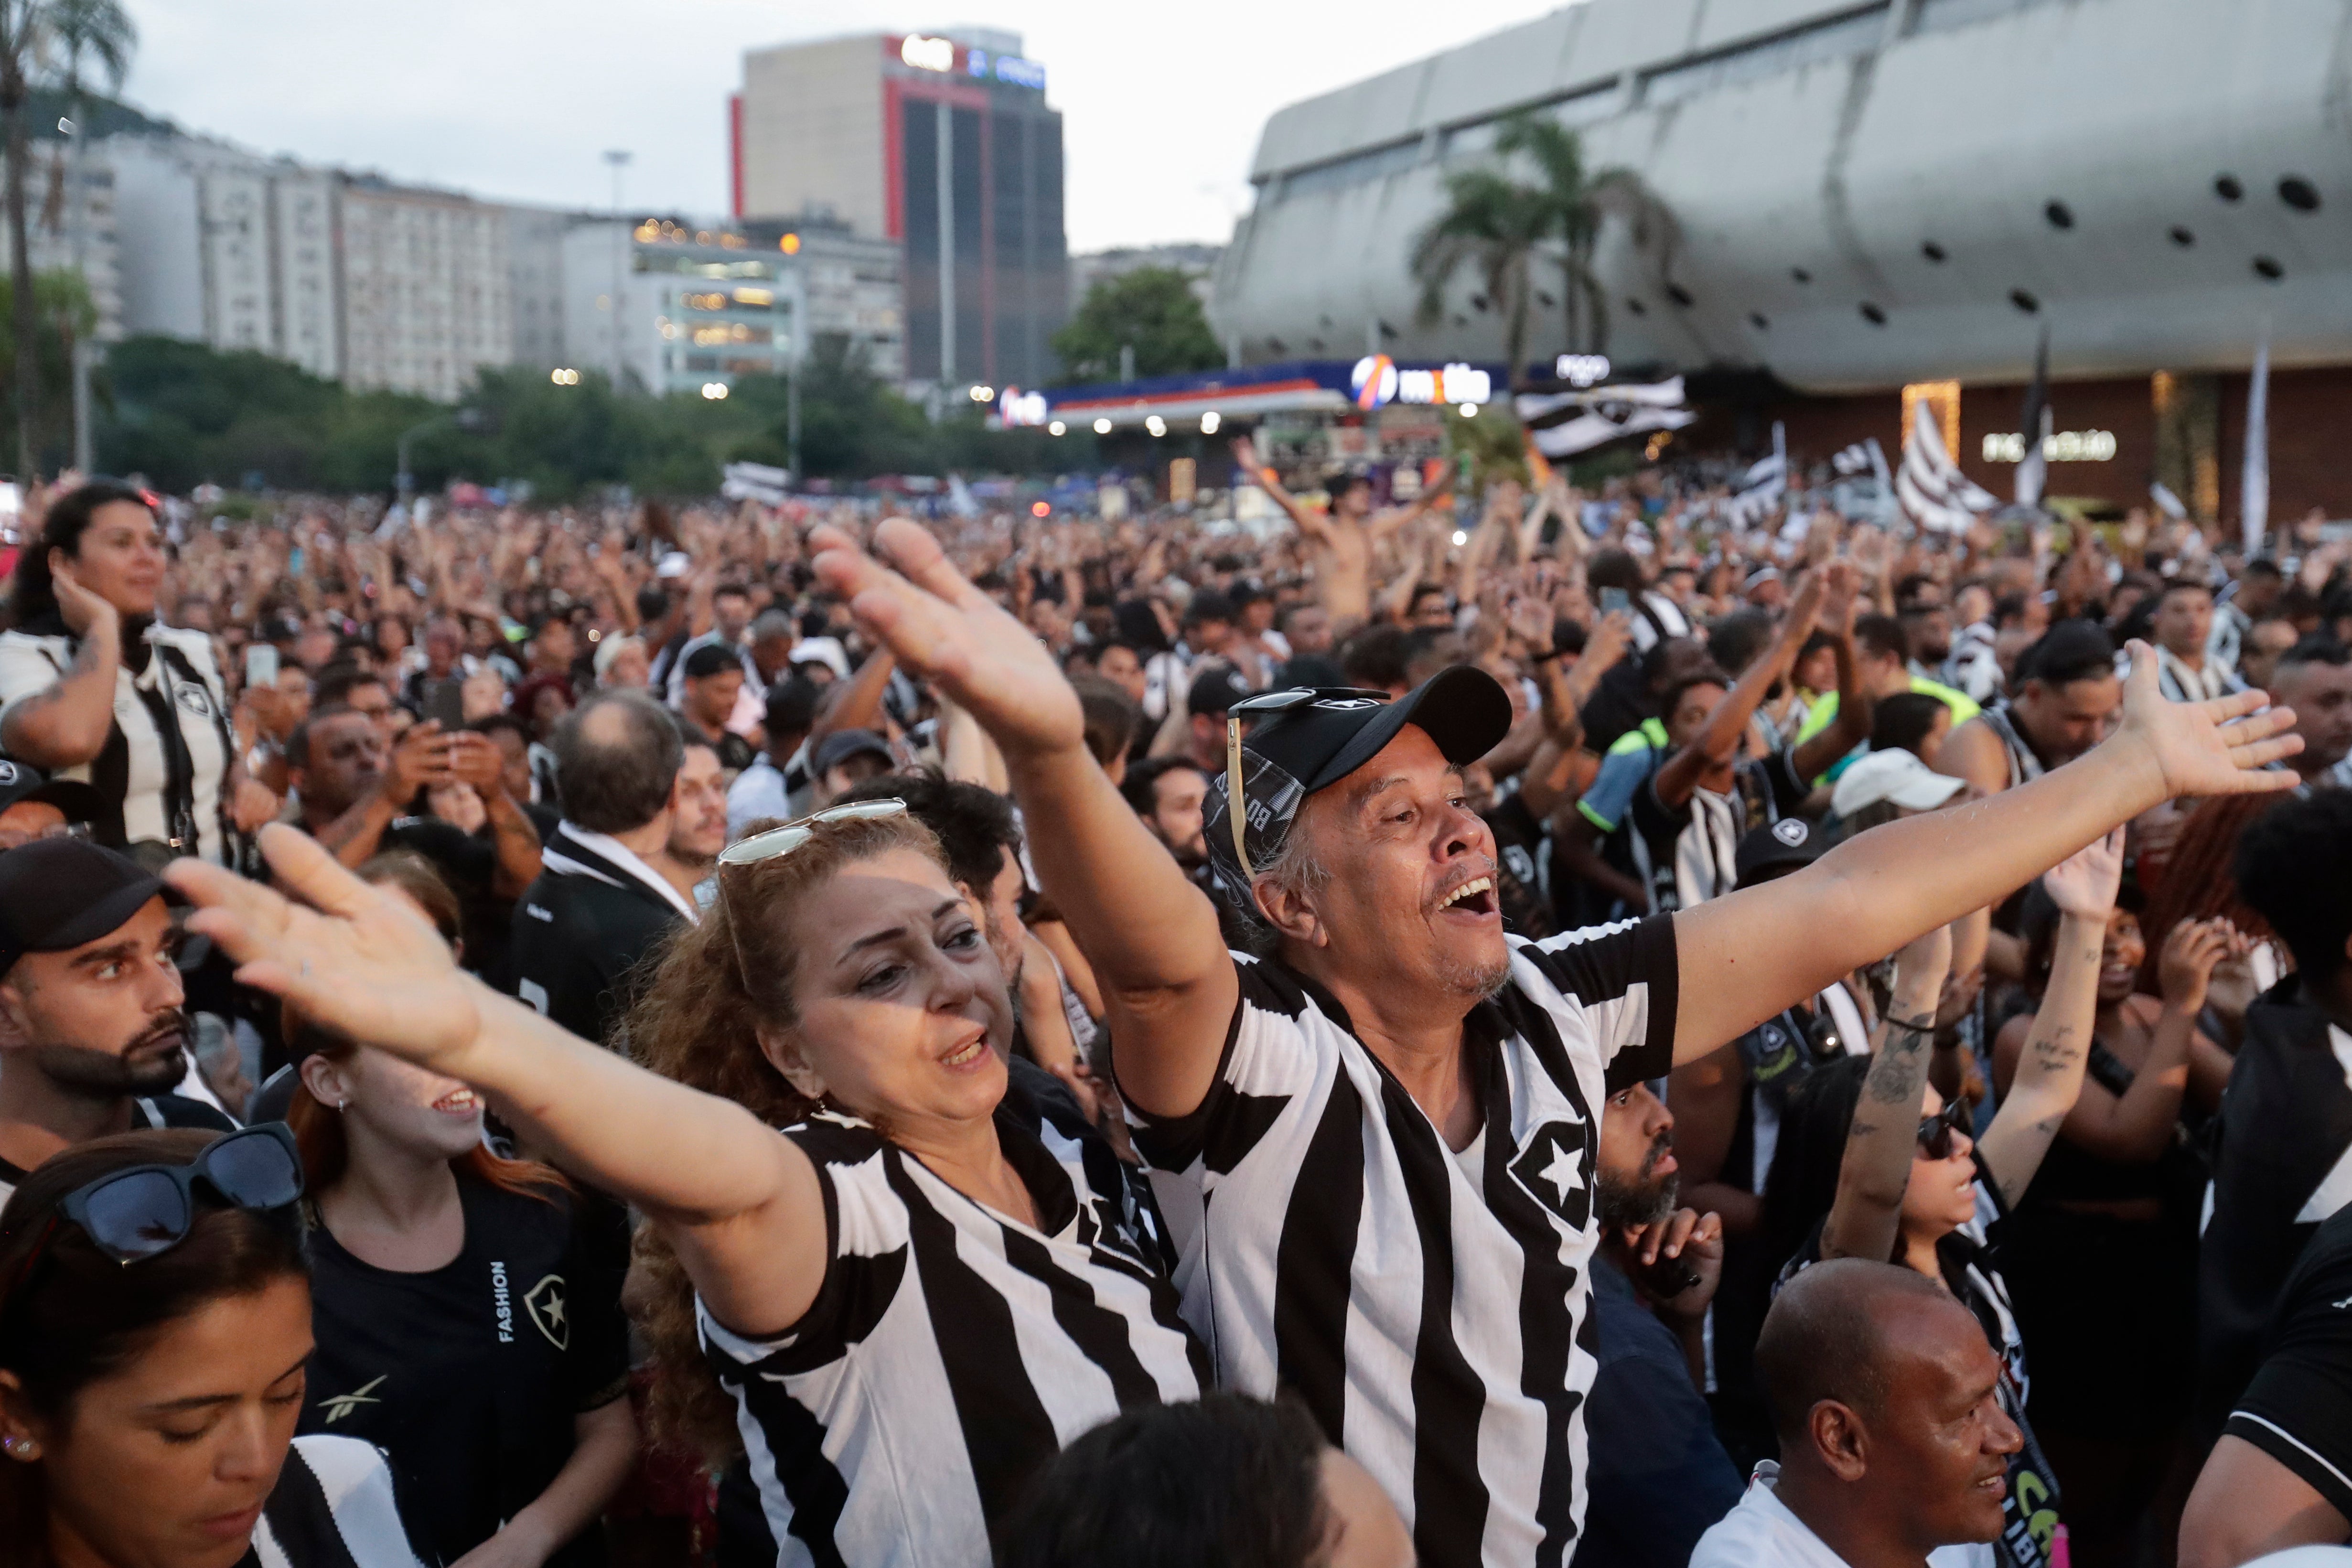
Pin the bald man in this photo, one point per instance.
(600, 904)
(1893, 1443)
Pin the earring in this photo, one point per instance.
(20, 1447)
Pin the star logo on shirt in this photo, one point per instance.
(544, 1302)
(1552, 1165)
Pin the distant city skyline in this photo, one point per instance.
(518, 101)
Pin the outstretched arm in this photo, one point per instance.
(1719, 736)
(746, 1213)
(1876, 1169)
(1167, 983)
(2049, 1076)
(1307, 520)
(1746, 956)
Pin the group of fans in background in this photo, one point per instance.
(1519, 1026)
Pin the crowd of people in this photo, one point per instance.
(1521, 1025)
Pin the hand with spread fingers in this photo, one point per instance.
(908, 597)
(2221, 747)
(355, 958)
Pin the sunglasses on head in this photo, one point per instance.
(1259, 706)
(1935, 1131)
(781, 841)
(141, 1211)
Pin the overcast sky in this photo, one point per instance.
(505, 98)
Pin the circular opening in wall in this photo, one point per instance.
(1637, 308)
(1478, 303)
(2299, 193)
(2226, 186)
(1800, 275)
(2023, 300)
(1932, 251)
(1315, 344)
(1873, 315)
(2060, 215)
(1545, 299)
(1679, 295)
(2183, 238)
(2269, 269)
(1755, 319)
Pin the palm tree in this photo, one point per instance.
(1500, 224)
(84, 31)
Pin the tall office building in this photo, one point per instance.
(943, 145)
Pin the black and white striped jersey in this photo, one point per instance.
(1430, 1308)
(332, 1507)
(951, 1350)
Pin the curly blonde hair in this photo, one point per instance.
(698, 1022)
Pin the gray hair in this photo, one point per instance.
(1296, 870)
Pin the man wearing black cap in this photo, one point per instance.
(33, 805)
(1214, 691)
(846, 759)
(1396, 1110)
(93, 1031)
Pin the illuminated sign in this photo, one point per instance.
(927, 54)
(2059, 446)
(1015, 406)
(1020, 72)
(1376, 380)
(1581, 370)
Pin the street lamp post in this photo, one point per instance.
(619, 159)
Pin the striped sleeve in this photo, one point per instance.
(1265, 1063)
(1624, 978)
(332, 1507)
(27, 668)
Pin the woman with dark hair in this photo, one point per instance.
(1872, 1163)
(2103, 1254)
(467, 1307)
(92, 688)
(1225, 1482)
(152, 1343)
(919, 1289)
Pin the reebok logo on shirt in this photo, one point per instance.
(342, 1405)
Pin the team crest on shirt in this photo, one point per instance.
(544, 1302)
(1555, 1165)
(195, 699)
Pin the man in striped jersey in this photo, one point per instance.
(1378, 1142)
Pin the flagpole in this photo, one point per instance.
(2254, 478)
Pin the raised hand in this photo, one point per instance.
(352, 956)
(2221, 747)
(2186, 968)
(2084, 884)
(914, 602)
(80, 608)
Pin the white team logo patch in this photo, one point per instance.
(8, 774)
(1791, 831)
(545, 1304)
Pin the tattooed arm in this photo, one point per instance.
(65, 723)
(2047, 1079)
(1868, 1211)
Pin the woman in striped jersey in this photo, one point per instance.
(918, 1291)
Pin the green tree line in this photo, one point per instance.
(183, 414)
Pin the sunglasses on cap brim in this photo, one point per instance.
(1261, 706)
(781, 841)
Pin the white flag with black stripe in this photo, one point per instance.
(1568, 421)
(1933, 490)
(1763, 486)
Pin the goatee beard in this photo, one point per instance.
(110, 1074)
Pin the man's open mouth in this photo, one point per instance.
(1476, 896)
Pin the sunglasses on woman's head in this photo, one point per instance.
(1935, 1131)
(778, 841)
(141, 1211)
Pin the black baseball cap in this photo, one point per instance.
(843, 745)
(1784, 846)
(21, 782)
(59, 893)
(1309, 739)
(1215, 689)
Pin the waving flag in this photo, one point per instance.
(1938, 497)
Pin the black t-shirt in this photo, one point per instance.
(468, 862)
(147, 1110)
(2298, 1409)
(468, 1377)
